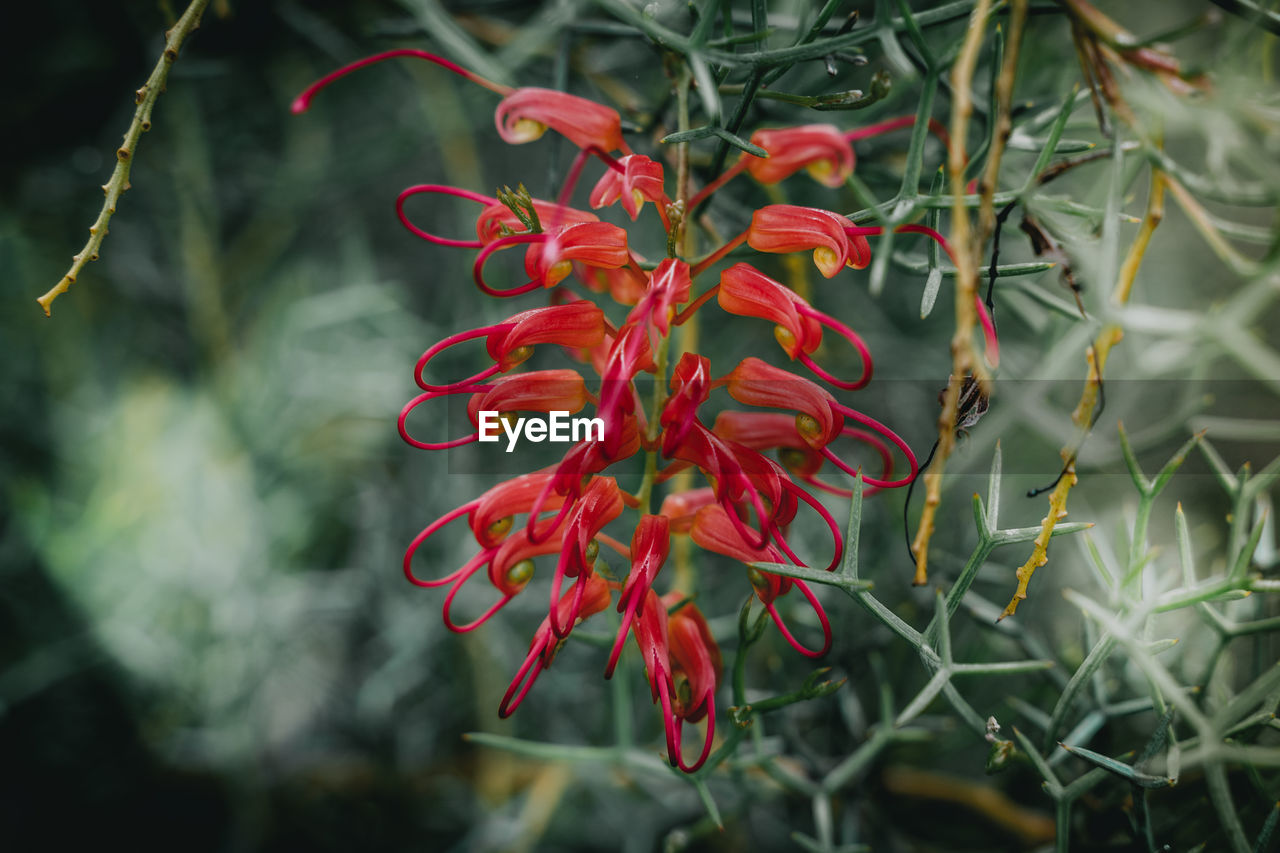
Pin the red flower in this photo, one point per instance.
(746, 291)
(526, 113)
(757, 383)
(637, 180)
(820, 148)
(819, 418)
(768, 431)
(669, 285)
(650, 545)
(573, 606)
(788, 228)
(537, 391)
(695, 675)
(681, 507)
(576, 325)
(697, 658)
(690, 388)
(599, 504)
(494, 513)
(594, 244)
(697, 661)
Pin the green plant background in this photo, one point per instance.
(205, 640)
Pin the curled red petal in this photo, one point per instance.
(747, 292)
(536, 391)
(542, 649)
(594, 244)
(639, 179)
(757, 383)
(819, 148)
(782, 228)
(650, 545)
(526, 113)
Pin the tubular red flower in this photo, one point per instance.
(819, 418)
(593, 244)
(494, 513)
(757, 383)
(695, 674)
(680, 507)
(696, 654)
(650, 545)
(690, 388)
(599, 504)
(763, 431)
(669, 285)
(629, 354)
(542, 650)
(537, 391)
(769, 431)
(525, 114)
(639, 180)
(624, 284)
(819, 148)
(713, 529)
(576, 324)
(781, 228)
(745, 291)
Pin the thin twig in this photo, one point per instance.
(963, 360)
(1090, 406)
(1003, 123)
(119, 182)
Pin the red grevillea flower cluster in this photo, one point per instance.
(747, 499)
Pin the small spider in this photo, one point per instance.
(970, 408)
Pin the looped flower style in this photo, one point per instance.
(745, 501)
